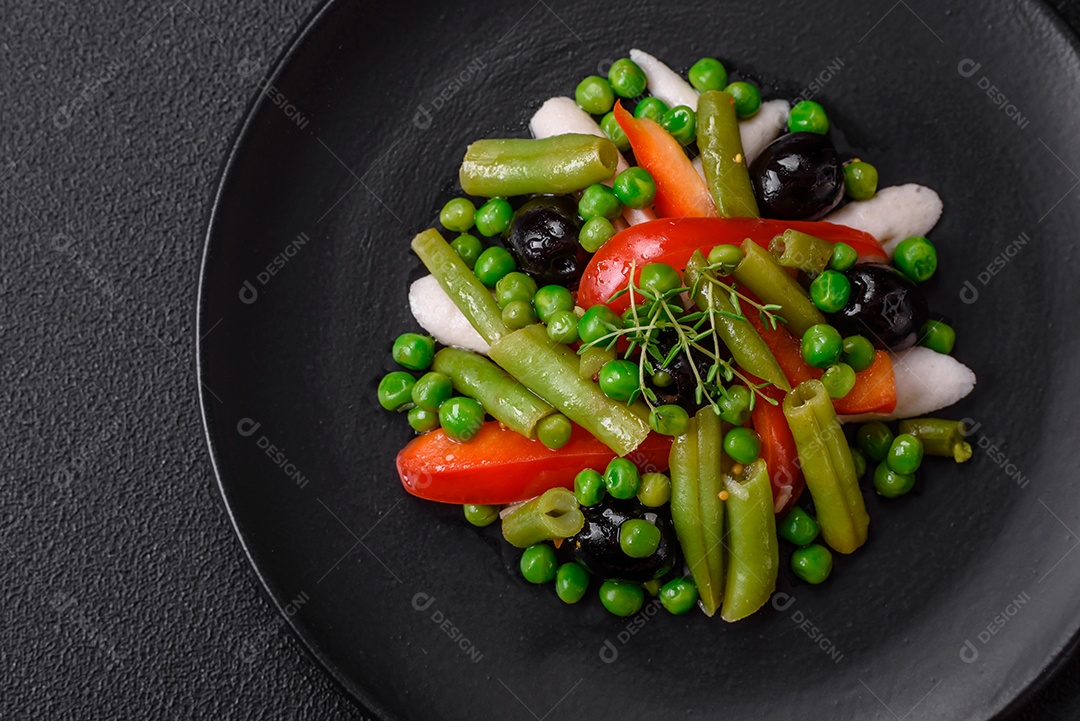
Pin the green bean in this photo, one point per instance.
(722, 156)
(827, 465)
(470, 296)
(509, 402)
(522, 166)
(686, 516)
(593, 359)
(753, 559)
(553, 515)
(710, 482)
(939, 437)
(551, 370)
(794, 249)
(747, 347)
(760, 272)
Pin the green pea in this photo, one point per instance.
(461, 418)
(843, 257)
(518, 314)
(916, 258)
(678, 596)
(621, 598)
(860, 462)
(423, 421)
(599, 201)
(743, 445)
(806, 116)
(627, 79)
(726, 257)
(822, 345)
(655, 490)
(494, 217)
(638, 538)
(652, 587)
(589, 487)
(659, 279)
(890, 484)
(468, 247)
(830, 291)
(669, 420)
(458, 215)
(395, 391)
(598, 322)
(812, 564)
(798, 527)
(735, 406)
(858, 353)
(514, 286)
(571, 582)
(905, 454)
(622, 479)
(551, 299)
(619, 379)
(615, 133)
(937, 336)
(747, 98)
(860, 180)
(838, 380)
(414, 351)
(554, 431)
(432, 390)
(563, 327)
(651, 108)
(707, 74)
(874, 439)
(481, 516)
(635, 188)
(594, 95)
(493, 265)
(538, 563)
(594, 233)
(681, 124)
(662, 379)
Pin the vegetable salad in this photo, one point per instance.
(654, 324)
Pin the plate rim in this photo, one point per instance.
(357, 694)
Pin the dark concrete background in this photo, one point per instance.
(125, 593)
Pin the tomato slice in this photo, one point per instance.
(502, 466)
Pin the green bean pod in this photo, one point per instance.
(747, 347)
(592, 359)
(686, 516)
(470, 296)
(753, 558)
(940, 437)
(522, 166)
(760, 272)
(794, 249)
(553, 515)
(710, 484)
(501, 395)
(722, 156)
(827, 465)
(552, 371)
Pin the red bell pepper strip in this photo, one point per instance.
(778, 450)
(674, 240)
(502, 466)
(874, 390)
(680, 191)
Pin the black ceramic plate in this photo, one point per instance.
(967, 592)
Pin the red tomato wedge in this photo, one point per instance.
(680, 191)
(674, 240)
(502, 466)
(779, 451)
(874, 391)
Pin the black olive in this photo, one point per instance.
(884, 306)
(597, 548)
(544, 238)
(798, 176)
(683, 387)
